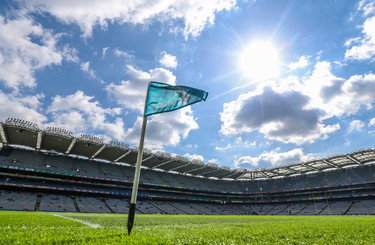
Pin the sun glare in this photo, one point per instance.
(259, 61)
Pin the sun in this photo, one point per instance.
(259, 60)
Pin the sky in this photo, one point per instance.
(288, 81)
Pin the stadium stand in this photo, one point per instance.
(92, 205)
(51, 170)
(336, 208)
(11, 200)
(363, 207)
(61, 203)
(118, 205)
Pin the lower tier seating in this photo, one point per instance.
(30, 201)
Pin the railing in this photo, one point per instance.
(59, 131)
(22, 123)
(90, 139)
(119, 145)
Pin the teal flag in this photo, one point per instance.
(163, 97)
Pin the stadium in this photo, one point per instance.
(187, 122)
(51, 170)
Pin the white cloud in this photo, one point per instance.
(162, 129)
(301, 63)
(70, 54)
(218, 148)
(194, 14)
(356, 125)
(85, 67)
(293, 110)
(194, 157)
(247, 162)
(238, 143)
(348, 96)
(325, 90)
(245, 144)
(132, 93)
(371, 122)
(336, 96)
(20, 56)
(77, 113)
(26, 47)
(367, 7)
(214, 160)
(124, 54)
(70, 120)
(279, 116)
(104, 51)
(168, 60)
(80, 113)
(21, 106)
(273, 158)
(81, 102)
(362, 48)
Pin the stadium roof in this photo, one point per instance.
(24, 133)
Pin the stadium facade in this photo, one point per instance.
(51, 170)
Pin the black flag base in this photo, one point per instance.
(131, 217)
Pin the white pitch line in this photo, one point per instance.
(92, 225)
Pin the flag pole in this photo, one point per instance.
(187, 96)
(137, 174)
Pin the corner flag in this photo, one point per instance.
(161, 97)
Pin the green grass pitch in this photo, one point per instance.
(77, 228)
